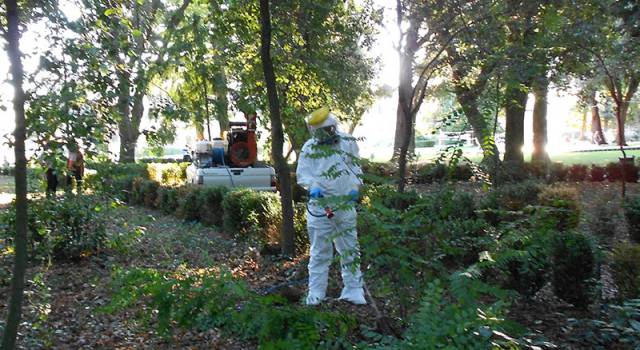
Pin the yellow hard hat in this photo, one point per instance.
(318, 117)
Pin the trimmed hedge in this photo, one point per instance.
(168, 174)
(248, 213)
(575, 269)
(242, 212)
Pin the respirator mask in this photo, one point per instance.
(327, 135)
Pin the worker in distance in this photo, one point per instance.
(329, 170)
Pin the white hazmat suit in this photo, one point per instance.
(333, 174)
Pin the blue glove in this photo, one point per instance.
(355, 195)
(315, 193)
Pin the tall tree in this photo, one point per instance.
(277, 134)
(522, 20)
(609, 34)
(132, 40)
(473, 60)
(12, 36)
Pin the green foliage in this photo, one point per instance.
(433, 172)
(376, 172)
(617, 327)
(575, 268)
(512, 196)
(405, 247)
(66, 228)
(252, 214)
(561, 205)
(189, 204)
(300, 226)
(632, 214)
(115, 179)
(625, 269)
(144, 192)
(168, 174)
(522, 259)
(167, 199)
(211, 209)
(205, 300)
(451, 316)
(389, 197)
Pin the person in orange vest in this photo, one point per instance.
(75, 168)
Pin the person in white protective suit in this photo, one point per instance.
(331, 174)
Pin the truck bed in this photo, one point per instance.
(257, 178)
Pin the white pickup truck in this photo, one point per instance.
(214, 165)
(257, 178)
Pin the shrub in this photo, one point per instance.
(388, 196)
(616, 327)
(597, 173)
(189, 204)
(137, 191)
(614, 173)
(252, 214)
(577, 172)
(630, 172)
(562, 206)
(430, 173)
(575, 269)
(535, 170)
(68, 228)
(150, 190)
(110, 170)
(522, 258)
(211, 199)
(625, 268)
(206, 301)
(452, 317)
(376, 173)
(167, 199)
(462, 172)
(144, 192)
(512, 196)
(300, 226)
(632, 215)
(446, 204)
(558, 172)
(458, 242)
(168, 174)
(121, 187)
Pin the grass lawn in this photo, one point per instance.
(599, 157)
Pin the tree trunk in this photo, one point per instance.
(540, 90)
(404, 119)
(583, 127)
(404, 114)
(516, 100)
(277, 134)
(597, 136)
(491, 154)
(621, 119)
(20, 259)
